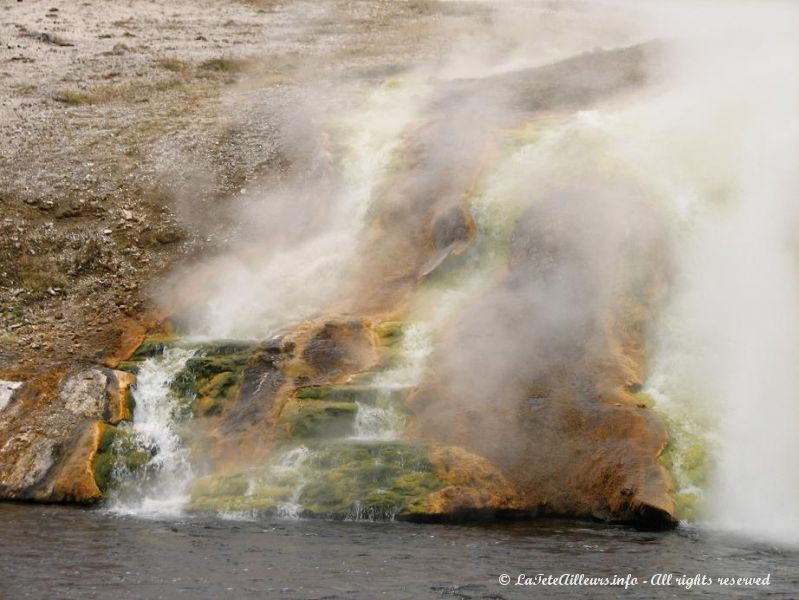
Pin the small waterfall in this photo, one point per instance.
(374, 422)
(383, 419)
(415, 350)
(350, 461)
(282, 479)
(359, 513)
(160, 487)
(290, 464)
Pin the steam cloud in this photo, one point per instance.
(705, 156)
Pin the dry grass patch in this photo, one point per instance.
(75, 98)
(173, 64)
(121, 92)
(263, 3)
(40, 273)
(227, 65)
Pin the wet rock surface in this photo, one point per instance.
(50, 432)
(552, 407)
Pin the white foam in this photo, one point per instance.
(154, 430)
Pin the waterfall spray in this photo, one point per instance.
(719, 144)
(161, 489)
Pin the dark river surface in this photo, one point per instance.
(62, 552)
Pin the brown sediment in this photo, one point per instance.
(565, 428)
(119, 397)
(73, 480)
(128, 335)
(473, 483)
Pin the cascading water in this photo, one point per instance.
(383, 419)
(290, 464)
(373, 422)
(362, 146)
(414, 352)
(349, 475)
(160, 487)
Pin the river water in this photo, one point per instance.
(67, 552)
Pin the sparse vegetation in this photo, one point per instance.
(75, 98)
(40, 273)
(227, 65)
(12, 313)
(173, 64)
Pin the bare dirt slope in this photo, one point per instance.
(125, 127)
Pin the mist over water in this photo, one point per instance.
(720, 143)
(709, 149)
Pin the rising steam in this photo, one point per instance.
(719, 143)
(706, 156)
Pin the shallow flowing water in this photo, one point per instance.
(61, 552)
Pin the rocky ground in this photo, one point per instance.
(124, 130)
